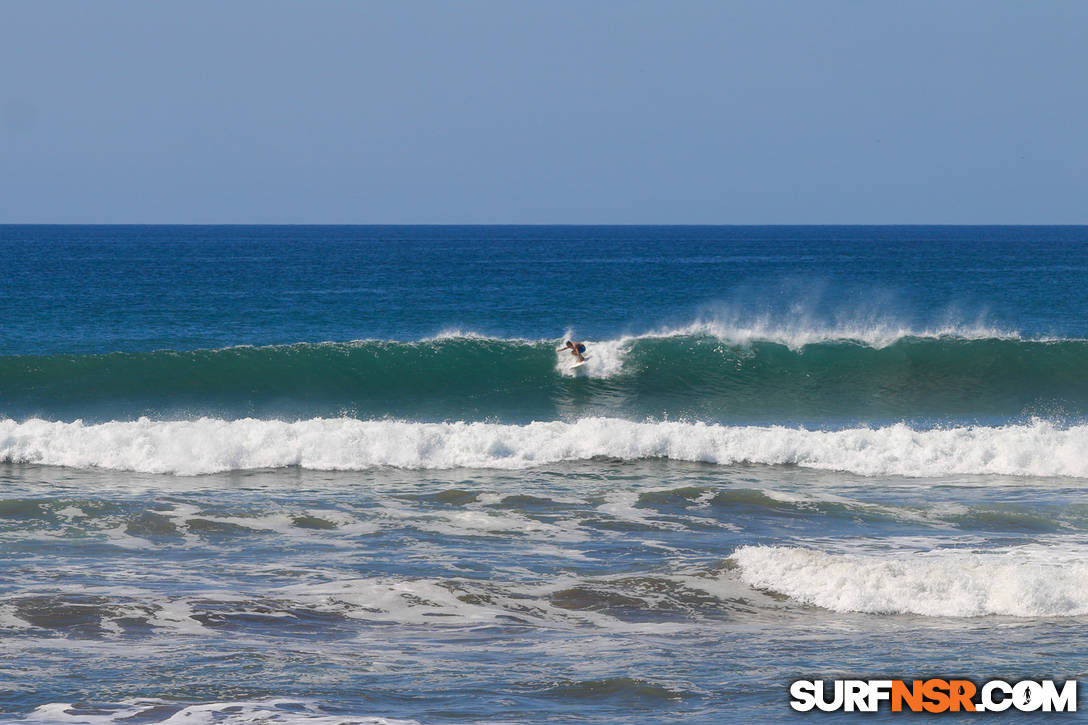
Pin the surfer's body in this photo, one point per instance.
(576, 349)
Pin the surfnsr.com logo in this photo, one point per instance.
(933, 695)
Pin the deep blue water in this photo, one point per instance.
(289, 473)
(130, 288)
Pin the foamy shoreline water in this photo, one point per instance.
(1017, 582)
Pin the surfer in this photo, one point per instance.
(576, 349)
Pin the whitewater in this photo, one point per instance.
(210, 445)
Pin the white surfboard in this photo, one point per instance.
(580, 363)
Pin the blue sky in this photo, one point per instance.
(544, 112)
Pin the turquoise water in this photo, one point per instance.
(324, 474)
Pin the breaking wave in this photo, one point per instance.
(725, 375)
(208, 445)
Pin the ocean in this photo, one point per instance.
(322, 474)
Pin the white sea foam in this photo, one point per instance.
(1018, 582)
(150, 710)
(604, 358)
(208, 445)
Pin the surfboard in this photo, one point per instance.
(580, 363)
